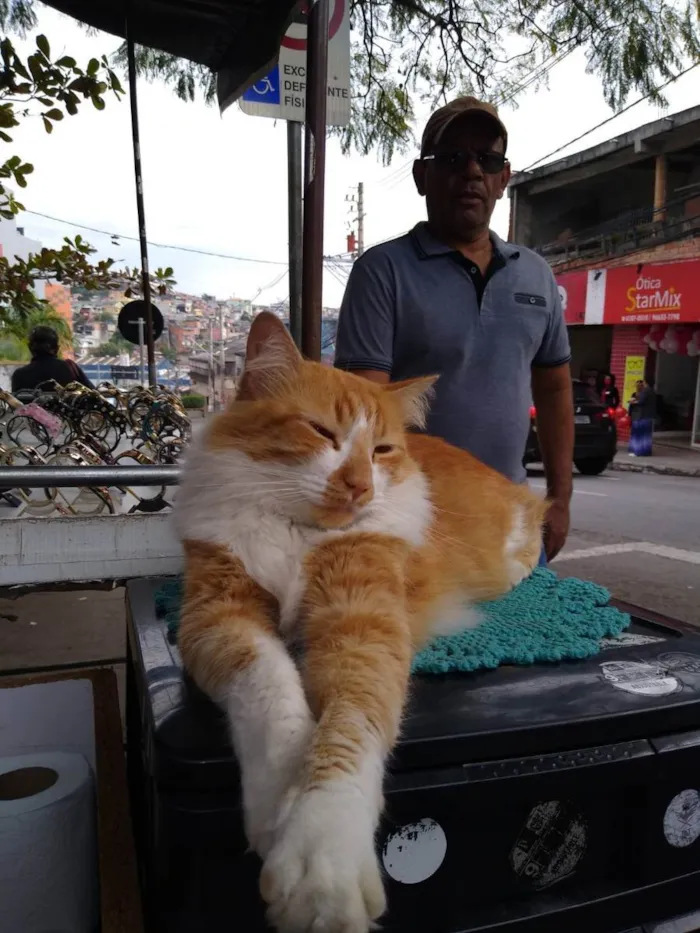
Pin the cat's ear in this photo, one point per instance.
(414, 395)
(271, 357)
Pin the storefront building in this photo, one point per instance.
(640, 320)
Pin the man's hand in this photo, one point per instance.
(556, 528)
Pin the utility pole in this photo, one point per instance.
(211, 364)
(222, 359)
(356, 225)
(360, 218)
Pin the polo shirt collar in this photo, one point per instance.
(428, 245)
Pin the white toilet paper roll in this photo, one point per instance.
(48, 844)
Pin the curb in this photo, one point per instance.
(658, 469)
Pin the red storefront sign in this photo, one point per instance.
(667, 293)
(573, 287)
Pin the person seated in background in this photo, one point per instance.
(609, 394)
(46, 364)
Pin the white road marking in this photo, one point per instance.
(672, 553)
(602, 550)
(644, 547)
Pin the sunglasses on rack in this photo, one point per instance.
(490, 162)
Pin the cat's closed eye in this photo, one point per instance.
(383, 449)
(324, 432)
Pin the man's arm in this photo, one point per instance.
(83, 378)
(374, 375)
(552, 394)
(365, 339)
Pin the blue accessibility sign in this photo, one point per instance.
(266, 90)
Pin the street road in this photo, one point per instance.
(639, 536)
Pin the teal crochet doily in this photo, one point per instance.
(545, 618)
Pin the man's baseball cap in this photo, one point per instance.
(455, 110)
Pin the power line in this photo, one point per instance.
(183, 249)
(349, 257)
(611, 118)
(402, 172)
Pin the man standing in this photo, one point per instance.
(452, 298)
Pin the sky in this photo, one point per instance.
(218, 183)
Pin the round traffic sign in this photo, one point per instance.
(129, 316)
(298, 43)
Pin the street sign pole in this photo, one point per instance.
(310, 84)
(140, 208)
(142, 371)
(314, 180)
(294, 194)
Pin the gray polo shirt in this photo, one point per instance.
(415, 307)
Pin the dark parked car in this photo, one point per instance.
(595, 442)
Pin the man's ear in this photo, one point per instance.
(414, 396)
(419, 176)
(505, 178)
(271, 357)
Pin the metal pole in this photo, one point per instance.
(222, 360)
(142, 374)
(360, 218)
(38, 477)
(140, 209)
(314, 180)
(212, 378)
(294, 195)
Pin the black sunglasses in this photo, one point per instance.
(490, 162)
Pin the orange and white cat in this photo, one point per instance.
(315, 528)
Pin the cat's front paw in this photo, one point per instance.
(322, 873)
(271, 786)
(266, 809)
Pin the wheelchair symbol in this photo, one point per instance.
(263, 87)
(266, 90)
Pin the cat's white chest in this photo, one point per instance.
(272, 550)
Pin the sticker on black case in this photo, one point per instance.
(641, 678)
(550, 845)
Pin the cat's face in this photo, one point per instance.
(326, 446)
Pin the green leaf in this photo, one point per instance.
(98, 103)
(36, 66)
(48, 125)
(5, 138)
(66, 62)
(54, 114)
(116, 84)
(93, 67)
(45, 101)
(42, 43)
(20, 180)
(18, 66)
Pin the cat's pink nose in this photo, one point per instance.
(356, 486)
